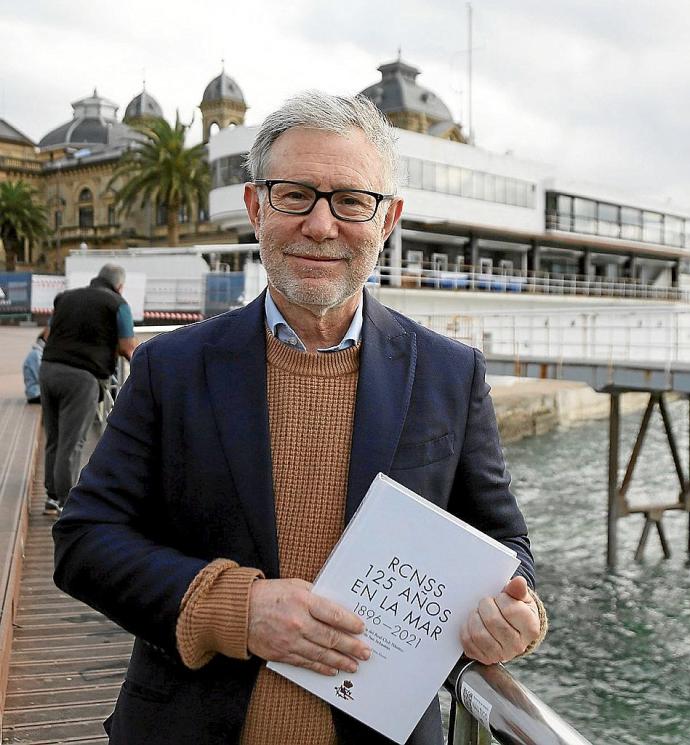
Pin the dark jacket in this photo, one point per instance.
(83, 331)
(182, 475)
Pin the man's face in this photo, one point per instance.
(316, 260)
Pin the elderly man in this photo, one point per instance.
(240, 447)
(89, 328)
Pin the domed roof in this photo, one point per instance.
(398, 91)
(222, 88)
(93, 123)
(141, 106)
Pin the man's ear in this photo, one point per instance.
(392, 216)
(253, 205)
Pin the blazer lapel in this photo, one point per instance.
(236, 378)
(386, 375)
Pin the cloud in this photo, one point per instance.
(597, 88)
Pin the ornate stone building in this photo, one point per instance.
(71, 168)
(73, 164)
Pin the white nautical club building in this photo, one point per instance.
(481, 221)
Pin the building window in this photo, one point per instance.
(414, 173)
(85, 195)
(428, 180)
(478, 185)
(673, 231)
(86, 217)
(500, 189)
(631, 224)
(579, 215)
(112, 215)
(230, 170)
(465, 182)
(585, 215)
(442, 178)
(454, 181)
(511, 191)
(609, 221)
(652, 227)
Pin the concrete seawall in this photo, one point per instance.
(528, 407)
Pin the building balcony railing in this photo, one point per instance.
(464, 277)
(7, 163)
(69, 232)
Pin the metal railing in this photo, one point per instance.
(489, 703)
(638, 335)
(458, 276)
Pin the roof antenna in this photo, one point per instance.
(400, 53)
(470, 130)
(143, 75)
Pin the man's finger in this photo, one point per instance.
(521, 615)
(328, 637)
(517, 588)
(335, 615)
(506, 635)
(315, 657)
(478, 642)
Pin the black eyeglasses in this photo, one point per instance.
(350, 205)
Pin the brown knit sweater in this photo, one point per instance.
(311, 405)
(311, 400)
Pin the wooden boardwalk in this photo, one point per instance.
(68, 661)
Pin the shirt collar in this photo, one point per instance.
(280, 328)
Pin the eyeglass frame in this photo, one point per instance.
(327, 195)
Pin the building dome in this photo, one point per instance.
(399, 91)
(143, 106)
(410, 106)
(222, 88)
(93, 122)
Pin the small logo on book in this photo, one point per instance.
(345, 690)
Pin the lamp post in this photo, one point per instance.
(58, 215)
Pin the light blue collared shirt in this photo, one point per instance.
(280, 328)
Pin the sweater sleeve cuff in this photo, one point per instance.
(214, 613)
(543, 623)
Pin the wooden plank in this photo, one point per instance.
(61, 713)
(78, 730)
(98, 693)
(68, 661)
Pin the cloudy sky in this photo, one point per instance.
(599, 89)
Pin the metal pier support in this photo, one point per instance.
(618, 505)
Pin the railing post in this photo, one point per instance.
(465, 729)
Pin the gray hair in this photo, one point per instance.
(113, 274)
(338, 114)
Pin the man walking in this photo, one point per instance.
(89, 328)
(240, 447)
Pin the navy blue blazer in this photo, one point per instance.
(182, 475)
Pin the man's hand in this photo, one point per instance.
(502, 627)
(288, 623)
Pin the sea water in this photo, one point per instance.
(616, 662)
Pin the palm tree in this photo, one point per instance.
(21, 218)
(162, 172)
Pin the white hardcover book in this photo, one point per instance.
(414, 573)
